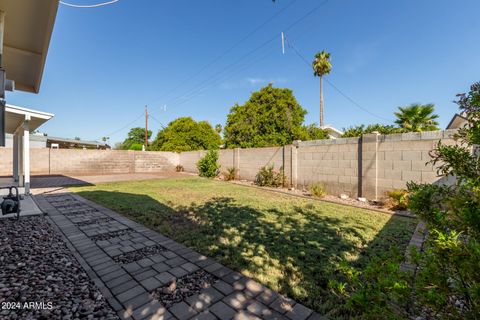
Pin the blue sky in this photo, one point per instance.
(105, 64)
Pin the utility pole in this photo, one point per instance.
(146, 127)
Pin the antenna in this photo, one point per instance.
(283, 43)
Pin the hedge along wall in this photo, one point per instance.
(91, 162)
(367, 166)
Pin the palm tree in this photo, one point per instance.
(321, 66)
(417, 118)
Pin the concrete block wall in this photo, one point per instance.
(91, 162)
(367, 166)
(404, 157)
(247, 161)
(333, 163)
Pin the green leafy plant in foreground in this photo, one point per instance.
(447, 282)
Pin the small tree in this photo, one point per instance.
(417, 117)
(208, 165)
(136, 136)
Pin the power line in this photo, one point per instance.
(197, 89)
(88, 6)
(126, 126)
(223, 54)
(306, 15)
(290, 45)
(216, 81)
(161, 124)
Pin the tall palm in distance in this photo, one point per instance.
(321, 66)
(417, 118)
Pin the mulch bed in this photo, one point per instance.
(184, 287)
(40, 278)
(138, 254)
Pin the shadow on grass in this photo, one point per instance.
(295, 252)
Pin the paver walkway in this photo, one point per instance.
(137, 269)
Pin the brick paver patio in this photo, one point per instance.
(133, 266)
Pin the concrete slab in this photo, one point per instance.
(28, 207)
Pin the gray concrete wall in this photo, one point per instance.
(91, 162)
(367, 166)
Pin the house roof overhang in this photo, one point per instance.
(457, 121)
(27, 31)
(15, 116)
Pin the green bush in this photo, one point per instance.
(208, 165)
(446, 284)
(136, 147)
(230, 174)
(318, 190)
(269, 177)
(397, 199)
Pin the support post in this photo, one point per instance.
(26, 153)
(2, 83)
(377, 135)
(294, 164)
(16, 148)
(236, 162)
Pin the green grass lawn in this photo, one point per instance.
(290, 244)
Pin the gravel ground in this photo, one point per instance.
(40, 278)
(184, 287)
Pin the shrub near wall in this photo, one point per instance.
(208, 165)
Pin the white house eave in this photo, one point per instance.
(25, 111)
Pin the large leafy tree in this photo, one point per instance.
(417, 117)
(135, 138)
(321, 66)
(186, 134)
(271, 117)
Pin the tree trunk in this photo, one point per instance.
(321, 102)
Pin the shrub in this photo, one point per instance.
(269, 177)
(230, 174)
(208, 165)
(136, 147)
(179, 168)
(397, 199)
(446, 284)
(318, 190)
